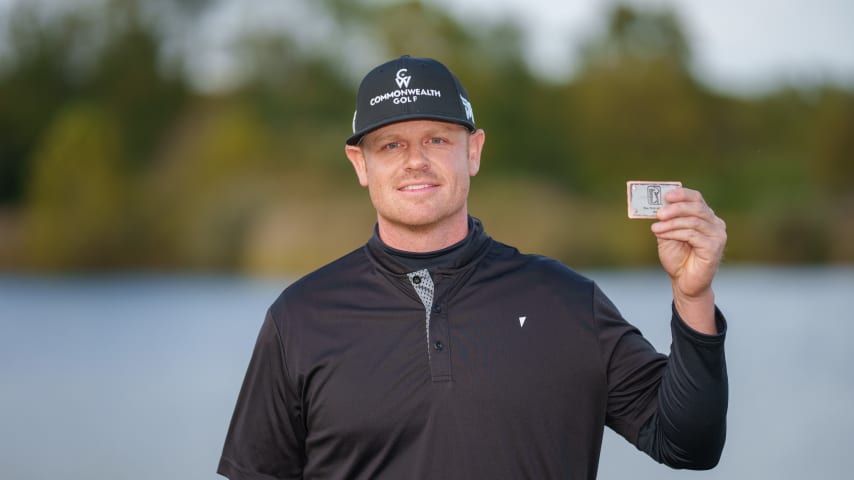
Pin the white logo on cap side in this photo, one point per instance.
(467, 106)
(402, 79)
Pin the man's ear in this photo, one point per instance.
(357, 158)
(475, 147)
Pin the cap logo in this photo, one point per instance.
(402, 79)
(404, 94)
(467, 106)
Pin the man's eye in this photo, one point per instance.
(437, 141)
(392, 146)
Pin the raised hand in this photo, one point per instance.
(691, 240)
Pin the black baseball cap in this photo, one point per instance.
(409, 88)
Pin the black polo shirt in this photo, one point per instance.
(499, 365)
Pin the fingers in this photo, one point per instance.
(683, 195)
(707, 246)
(684, 202)
(704, 222)
(689, 219)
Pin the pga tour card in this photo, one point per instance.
(644, 198)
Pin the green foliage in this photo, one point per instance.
(77, 193)
(32, 89)
(198, 199)
(109, 159)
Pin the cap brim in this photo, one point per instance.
(357, 137)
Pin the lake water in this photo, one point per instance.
(134, 377)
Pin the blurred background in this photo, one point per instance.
(208, 135)
(168, 166)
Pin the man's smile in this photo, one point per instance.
(419, 187)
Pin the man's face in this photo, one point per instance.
(418, 172)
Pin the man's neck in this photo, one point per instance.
(423, 238)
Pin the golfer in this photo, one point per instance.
(437, 352)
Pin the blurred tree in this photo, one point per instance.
(33, 85)
(641, 38)
(129, 80)
(77, 194)
(198, 199)
(104, 54)
(831, 142)
(304, 103)
(636, 111)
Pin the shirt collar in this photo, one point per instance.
(449, 259)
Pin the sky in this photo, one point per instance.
(740, 46)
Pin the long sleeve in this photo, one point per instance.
(266, 437)
(688, 429)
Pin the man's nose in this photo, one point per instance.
(417, 158)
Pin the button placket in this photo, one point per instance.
(436, 326)
(440, 363)
(423, 285)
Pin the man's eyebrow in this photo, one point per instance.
(382, 138)
(441, 131)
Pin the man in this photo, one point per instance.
(437, 352)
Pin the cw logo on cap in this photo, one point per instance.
(402, 82)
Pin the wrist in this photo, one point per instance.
(697, 311)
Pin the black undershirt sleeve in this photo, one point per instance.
(688, 429)
(671, 407)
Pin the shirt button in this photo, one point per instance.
(437, 309)
(416, 279)
(438, 346)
